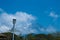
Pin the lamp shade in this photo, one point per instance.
(14, 21)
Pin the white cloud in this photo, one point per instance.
(53, 15)
(42, 29)
(24, 21)
(1, 10)
(3, 28)
(49, 29)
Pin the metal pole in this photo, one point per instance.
(14, 21)
(13, 31)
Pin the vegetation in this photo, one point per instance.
(53, 36)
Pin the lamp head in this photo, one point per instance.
(14, 21)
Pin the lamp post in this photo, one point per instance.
(14, 21)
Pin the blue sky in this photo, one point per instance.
(47, 12)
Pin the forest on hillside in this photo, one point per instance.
(31, 36)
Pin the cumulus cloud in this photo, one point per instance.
(3, 28)
(1, 10)
(42, 29)
(49, 29)
(53, 15)
(24, 21)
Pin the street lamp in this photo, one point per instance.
(14, 21)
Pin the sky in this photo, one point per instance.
(32, 16)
